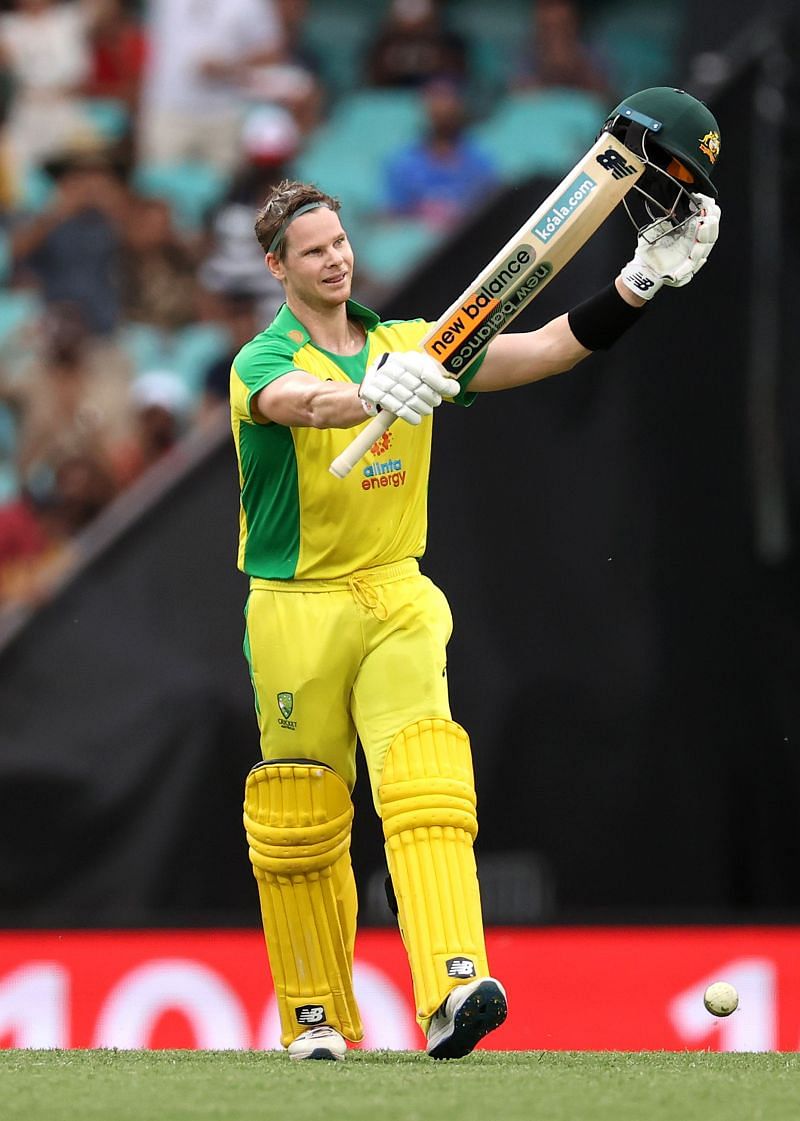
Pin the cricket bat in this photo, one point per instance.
(517, 274)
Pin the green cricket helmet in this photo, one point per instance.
(677, 136)
(665, 121)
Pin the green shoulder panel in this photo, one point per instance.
(261, 361)
(270, 500)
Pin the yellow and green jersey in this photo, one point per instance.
(296, 520)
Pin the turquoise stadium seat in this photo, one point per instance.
(109, 116)
(19, 308)
(5, 258)
(494, 34)
(388, 250)
(186, 352)
(192, 189)
(9, 480)
(640, 41)
(36, 190)
(339, 34)
(346, 155)
(382, 118)
(541, 133)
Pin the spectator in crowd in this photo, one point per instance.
(294, 79)
(440, 177)
(73, 400)
(9, 172)
(414, 45)
(45, 45)
(84, 486)
(234, 263)
(36, 538)
(555, 53)
(159, 268)
(192, 99)
(72, 249)
(243, 318)
(31, 554)
(163, 413)
(117, 45)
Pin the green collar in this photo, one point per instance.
(287, 324)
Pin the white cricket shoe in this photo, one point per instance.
(318, 1043)
(465, 1016)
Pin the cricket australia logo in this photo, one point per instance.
(286, 706)
(709, 146)
(460, 967)
(615, 162)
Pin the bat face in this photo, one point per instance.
(545, 243)
(551, 236)
(483, 315)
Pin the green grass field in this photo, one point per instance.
(392, 1086)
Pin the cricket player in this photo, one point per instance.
(345, 637)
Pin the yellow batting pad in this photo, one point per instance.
(427, 803)
(297, 816)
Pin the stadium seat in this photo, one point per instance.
(494, 34)
(5, 257)
(35, 189)
(389, 249)
(187, 352)
(192, 189)
(109, 116)
(9, 480)
(346, 156)
(19, 308)
(640, 41)
(339, 35)
(541, 133)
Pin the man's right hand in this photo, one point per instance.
(409, 384)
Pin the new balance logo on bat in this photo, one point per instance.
(460, 967)
(615, 162)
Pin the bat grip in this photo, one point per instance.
(360, 445)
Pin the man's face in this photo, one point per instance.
(317, 268)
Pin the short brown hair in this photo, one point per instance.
(283, 201)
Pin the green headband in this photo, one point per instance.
(273, 245)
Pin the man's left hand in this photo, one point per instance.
(673, 257)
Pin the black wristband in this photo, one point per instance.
(598, 322)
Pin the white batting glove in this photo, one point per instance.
(673, 257)
(409, 384)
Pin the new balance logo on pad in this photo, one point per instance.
(310, 1014)
(460, 967)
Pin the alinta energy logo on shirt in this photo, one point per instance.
(386, 473)
(389, 473)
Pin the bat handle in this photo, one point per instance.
(360, 445)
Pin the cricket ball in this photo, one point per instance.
(721, 999)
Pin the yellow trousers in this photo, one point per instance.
(336, 660)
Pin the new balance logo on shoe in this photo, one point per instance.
(460, 967)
